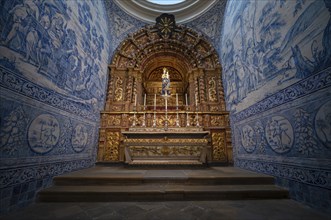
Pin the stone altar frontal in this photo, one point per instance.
(173, 146)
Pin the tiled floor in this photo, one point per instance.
(227, 210)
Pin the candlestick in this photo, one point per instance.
(154, 101)
(177, 118)
(135, 100)
(145, 100)
(166, 103)
(166, 114)
(186, 99)
(177, 99)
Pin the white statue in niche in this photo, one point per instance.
(165, 82)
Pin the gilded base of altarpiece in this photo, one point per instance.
(173, 145)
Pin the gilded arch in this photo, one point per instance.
(187, 52)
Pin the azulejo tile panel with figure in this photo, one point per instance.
(272, 44)
(277, 78)
(40, 40)
(53, 73)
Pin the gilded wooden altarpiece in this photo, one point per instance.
(195, 75)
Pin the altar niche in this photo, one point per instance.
(143, 116)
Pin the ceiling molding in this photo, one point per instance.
(148, 11)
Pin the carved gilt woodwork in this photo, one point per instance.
(109, 142)
(136, 70)
(171, 141)
(169, 151)
(219, 146)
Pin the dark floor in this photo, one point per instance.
(243, 209)
(259, 209)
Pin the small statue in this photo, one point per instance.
(165, 82)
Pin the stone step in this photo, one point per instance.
(184, 180)
(159, 192)
(166, 162)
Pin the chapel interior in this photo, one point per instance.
(144, 109)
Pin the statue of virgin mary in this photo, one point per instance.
(165, 82)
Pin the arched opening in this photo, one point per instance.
(134, 97)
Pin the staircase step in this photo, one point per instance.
(154, 192)
(102, 184)
(138, 179)
(138, 162)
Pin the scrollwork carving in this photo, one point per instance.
(112, 146)
(171, 151)
(216, 121)
(212, 93)
(129, 87)
(118, 89)
(113, 120)
(214, 108)
(153, 141)
(218, 142)
(202, 89)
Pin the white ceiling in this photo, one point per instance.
(147, 11)
(166, 2)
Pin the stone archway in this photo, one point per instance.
(195, 73)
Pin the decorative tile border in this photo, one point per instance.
(19, 175)
(297, 90)
(312, 176)
(10, 80)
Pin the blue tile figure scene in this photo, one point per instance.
(53, 62)
(276, 63)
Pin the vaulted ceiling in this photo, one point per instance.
(184, 11)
